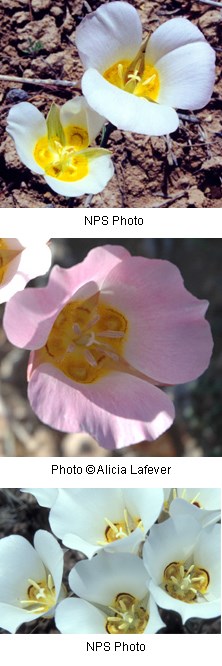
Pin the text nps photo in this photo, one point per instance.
(110, 348)
(110, 561)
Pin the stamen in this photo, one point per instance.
(111, 334)
(90, 358)
(150, 79)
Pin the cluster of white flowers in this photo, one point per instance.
(135, 84)
(145, 549)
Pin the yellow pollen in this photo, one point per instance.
(186, 584)
(6, 256)
(63, 162)
(143, 83)
(86, 340)
(129, 615)
(41, 596)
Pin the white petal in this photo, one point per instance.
(180, 507)
(187, 76)
(170, 541)
(209, 498)
(145, 503)
(19, 561)
(208, 556)
(78, 113)
(155, 623)
(11, 617)
(26, 124)
(51, 555)
(83, 512)
(30, 263)
(170, 36)
(45, 496)
(126, 111)
(76, 616)
(110, 34)
(100, 171)
(100, 579)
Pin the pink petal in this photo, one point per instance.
(169, 339)
(118, 410)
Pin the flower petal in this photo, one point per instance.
(187, 76)
(126, 111)
(100, 579)
(116, 411)
(144, 503)
(51, 555)
(26, 124)
(170, 36)
(77, 616)
(78, 113)
(165, 311)
(100, 171)
(113, 32)
(19, 561)
(11, 617)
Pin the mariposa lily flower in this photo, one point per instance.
(137, 85)
(58, 147)
(184, 562)
(30, 579)
(116, 519)
(44, 496)
(114, 598)
(204, 504)
(104, 334)
(21, 259)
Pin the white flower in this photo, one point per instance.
(58, 146)
(44, 496)
(90, 519)
(21, 259)
(114, 598)
(183, 562)
(201, 503)
(136, 85)
(30, 579)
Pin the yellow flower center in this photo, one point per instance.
(6, 255)
(86, 340)
(143, 82)
(129, 615)
(63, 161)
(188, 585)
(41, 596)
(121, 529)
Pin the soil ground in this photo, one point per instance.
(37, 40)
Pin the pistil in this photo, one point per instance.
(186, 584)
(129, 615)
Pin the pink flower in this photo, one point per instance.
(104, 334)
(21, 259)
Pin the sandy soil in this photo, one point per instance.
(37, 40)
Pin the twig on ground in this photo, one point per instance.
(169, 200)
(106, 131)
(211, 2)
(44, 83)
(187, 118)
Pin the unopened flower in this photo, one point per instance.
(30, 579)
(104, 334)
(136, 85)
(58, 146)
(114, 598)
(117, 519)
(21, 259)
(184, 562)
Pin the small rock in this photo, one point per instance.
(16, 95)
(56, 11)
(20, 19)
(39, 5)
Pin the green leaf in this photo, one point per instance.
(54, 126)
(91, 153)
